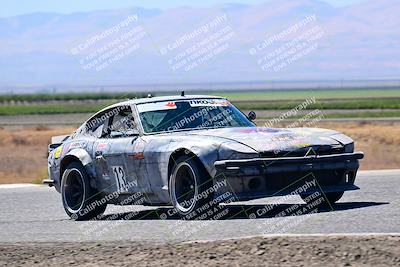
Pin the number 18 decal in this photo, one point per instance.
(120, 178)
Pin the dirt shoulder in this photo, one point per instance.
(273, 251)
(23, 150)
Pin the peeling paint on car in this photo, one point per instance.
(145, 158)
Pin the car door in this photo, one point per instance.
(135, 163)
(96, 128)
(134, 157)
(111, 155)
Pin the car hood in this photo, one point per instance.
(272, 139)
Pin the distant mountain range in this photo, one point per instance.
(150, 45)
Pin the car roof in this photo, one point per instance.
(161, 99)
(156, 99)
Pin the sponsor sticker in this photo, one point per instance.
(171, 104)
(138, 149)
(139, 145)
(78, 144)
(57, 152)
(166, 105)
(209, 103)
(101, 146)
(254, 130)
(302, 145)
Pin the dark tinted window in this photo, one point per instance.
(123, 121)
(191, 114)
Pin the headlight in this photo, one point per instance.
(346, 141)
(349, 148)
(235, 150)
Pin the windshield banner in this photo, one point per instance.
(209, 103)
(156, 106)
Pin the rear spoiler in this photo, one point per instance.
(57, 141)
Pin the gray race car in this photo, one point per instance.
(192, 152)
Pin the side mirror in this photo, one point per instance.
(252, 115)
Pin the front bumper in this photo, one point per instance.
(48, 182)
(260, 177)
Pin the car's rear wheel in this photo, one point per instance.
(79, 199)
(189, 184)
(329, 199)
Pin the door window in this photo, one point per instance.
(122, 122)
(97, 126)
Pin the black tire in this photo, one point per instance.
(78, 197)
(188, 180)
(330, 198)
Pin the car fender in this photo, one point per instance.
(206, 154)
(158, 154)
(82, 156)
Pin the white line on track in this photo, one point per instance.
(10, 186)
(299, 235)
(376, 172)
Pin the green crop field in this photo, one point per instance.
(266, 95)
(93, 107)
(49, 109)
(366, 114)
(323, 104)
(352, 99)
(68, 97)
(303, 94)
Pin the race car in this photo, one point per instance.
(192, 152)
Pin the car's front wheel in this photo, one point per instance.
(190, 188)
(79, 199)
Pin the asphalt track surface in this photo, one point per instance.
(35, 214)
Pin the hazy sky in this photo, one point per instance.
(17, 7)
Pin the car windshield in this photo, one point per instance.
(169, 116)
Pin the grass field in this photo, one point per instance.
(50, 109)
(303, 94)
(285, 105)
(364, 114)
(373, 99)
(233, 95)
(373, 103)
(67, 97)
